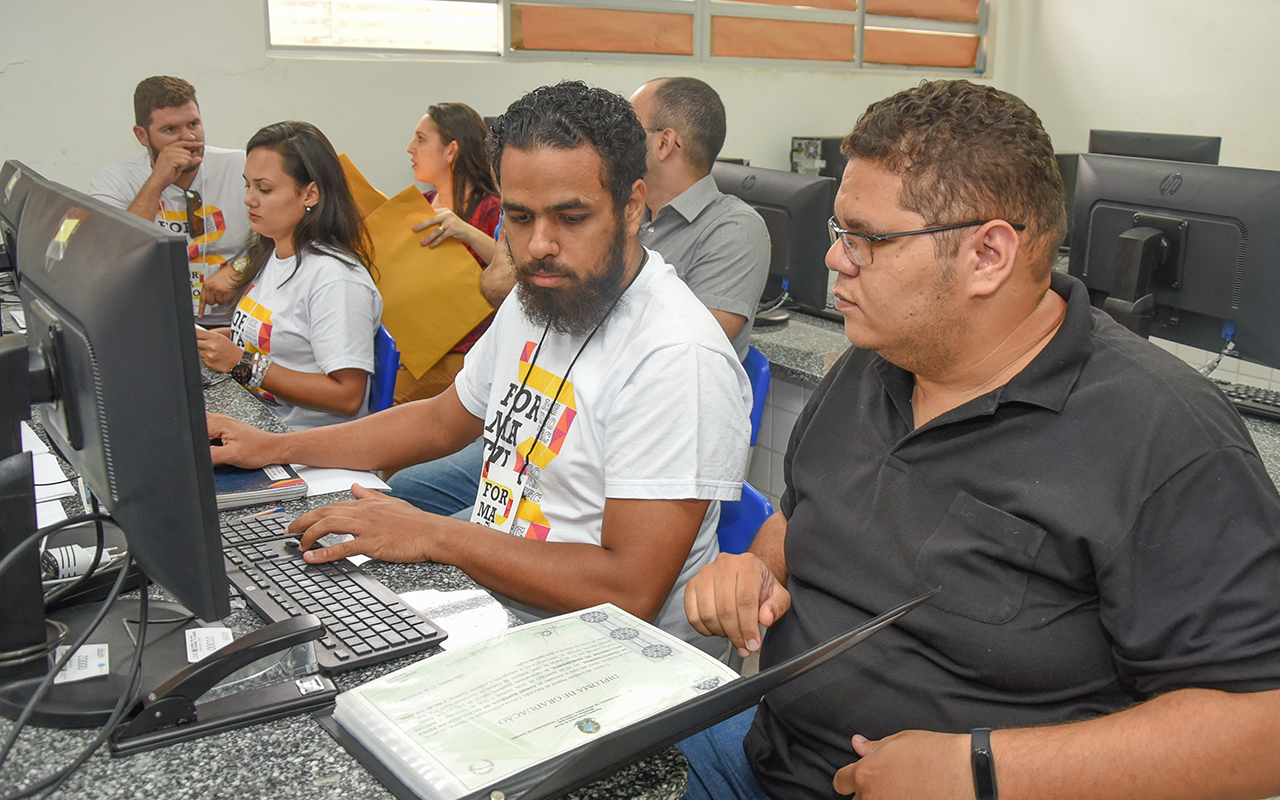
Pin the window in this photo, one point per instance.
(939, 34)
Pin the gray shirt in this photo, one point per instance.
(719, 247)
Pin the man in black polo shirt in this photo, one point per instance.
(1103, 532)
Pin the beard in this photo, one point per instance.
(578, 307)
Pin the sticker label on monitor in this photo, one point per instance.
(90, 661)
(203, 641)
(66, 229)
(13, 181)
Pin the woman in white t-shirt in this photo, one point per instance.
(302, 335)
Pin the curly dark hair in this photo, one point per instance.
(695, 110)
(569, 115)
(333, 224)
(458, 122)
(966, 151)
(160, 91)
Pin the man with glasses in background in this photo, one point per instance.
(1104, 536)
(189, 188)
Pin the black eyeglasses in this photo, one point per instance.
(857, 246)
(195, 222)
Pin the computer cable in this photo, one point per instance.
(53, 782)
(12, 555)
(7, 562)
(1206, 369)
(57, 593)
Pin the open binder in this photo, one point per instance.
(615, 750)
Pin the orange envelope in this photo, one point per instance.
(367, 198)
(430, 296)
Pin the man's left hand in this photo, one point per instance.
(385, 528)
(909, 765)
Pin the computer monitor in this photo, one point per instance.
(14, 185)
(1185, 252)
(110, 360)
(1164, 146)
(795, 209)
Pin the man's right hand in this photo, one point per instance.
(242, 445)
(174, 159)
(733, 596)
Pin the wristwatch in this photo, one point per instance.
(242, 372)
(984, 765)
(240, 266)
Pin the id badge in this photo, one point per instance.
(497, 498)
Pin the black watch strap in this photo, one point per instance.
(984, 765)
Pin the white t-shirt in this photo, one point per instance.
(220, 183)
(655, 408)
(322, 319)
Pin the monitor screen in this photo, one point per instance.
(795, 209)
(1185, 252)
(108, 309)
(1164, 146)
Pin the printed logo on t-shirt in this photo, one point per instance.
(251, 328)
(215, 225)
(527, 425)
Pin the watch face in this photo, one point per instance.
(241, 373)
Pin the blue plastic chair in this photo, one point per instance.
(386, 362)
(740, 520)
(757, 367)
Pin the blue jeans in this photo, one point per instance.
(446, 486)
(718, 768)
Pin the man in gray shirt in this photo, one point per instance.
(718, 244)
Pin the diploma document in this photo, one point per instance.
(461, 721)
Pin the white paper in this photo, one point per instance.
(463, 720)
(327, 481)
(31, 442)
(48, 472)
(203, 641)
(48, 513)
(20, 318)
(469, 615)
(90, 661)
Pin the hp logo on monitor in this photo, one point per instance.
(1171, 183)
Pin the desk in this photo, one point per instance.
(287, 758)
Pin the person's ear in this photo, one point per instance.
(143, 137)
(633, 212)
(991, 253)
(310, 195)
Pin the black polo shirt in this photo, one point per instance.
(1101, 526)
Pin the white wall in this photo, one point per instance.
(68, 68)
(1169, 66)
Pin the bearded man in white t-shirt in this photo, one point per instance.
(612, 405)
(189, 188)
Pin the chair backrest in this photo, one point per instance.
(757, 367)
(386, 362)
(740, 520)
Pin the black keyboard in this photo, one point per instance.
(365, 623)
(1252, 400)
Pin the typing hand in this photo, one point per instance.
(733, 596)
(176, 158)
(385, 528)
(216, 349)
(909, 765)
(241, 445)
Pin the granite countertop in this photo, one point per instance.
(285, 758)
(801, 349)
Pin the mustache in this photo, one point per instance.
(542, 266)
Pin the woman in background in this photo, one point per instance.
(447, 151)
(302, 335)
